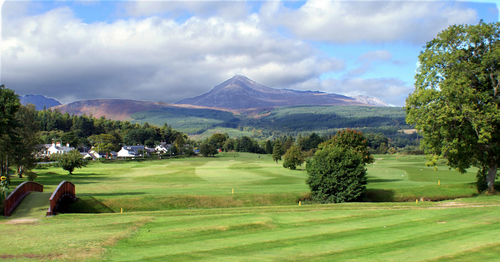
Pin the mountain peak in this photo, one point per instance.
(239, 77)
(240, 92)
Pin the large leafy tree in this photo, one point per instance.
(71, 160)
(217, 140)
(456, 100)
(310, 142)
(337, 171)
(336, 174)
(207, 149)
(350, 139)
(293, 158)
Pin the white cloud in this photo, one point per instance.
(230, 10)
(370, 21)
(151, 58)
(171, 50)
(367, 60)
(392, 90)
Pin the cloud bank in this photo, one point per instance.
(167, 51)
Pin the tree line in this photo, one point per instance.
(22, 128)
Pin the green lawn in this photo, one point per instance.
(431, 231)
(406, 178)
(255, 180)
(184, 209)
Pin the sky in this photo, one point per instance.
(164, 51)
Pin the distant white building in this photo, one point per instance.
(96, 155)
(130, 151)
(56, 148)
(163, 148)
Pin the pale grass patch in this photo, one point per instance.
(22, 221)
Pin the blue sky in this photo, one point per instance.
(169, 50)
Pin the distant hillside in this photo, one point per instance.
(315, 118)
(240, 92)
(39, 101)
(186, 118)
(116, 109)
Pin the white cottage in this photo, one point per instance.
(56, 148)
(130, 151)
(163, 148)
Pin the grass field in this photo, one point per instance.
(184, 210)
(255, 179)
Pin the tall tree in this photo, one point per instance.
(288, 144)
(269, 147)
(9, 105)
(25, 152)
(277, 151)
(179, 142)
(456, 102)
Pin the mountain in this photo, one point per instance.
(373, 101)
(240, 92)
(39, 101)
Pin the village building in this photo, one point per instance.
(55, 148)
(130, 151)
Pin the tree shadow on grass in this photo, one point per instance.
(379, 195)
(87, 178)
(383, 180)
(85, 204)
(110, 194)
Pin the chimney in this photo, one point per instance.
(67, 144)
(58, 143)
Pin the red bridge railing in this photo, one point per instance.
(65, 189)
(16, 196)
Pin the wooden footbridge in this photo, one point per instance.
(64, 193)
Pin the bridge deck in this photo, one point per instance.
(34, 205)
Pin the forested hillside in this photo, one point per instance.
(275, 122)
(314, 118)
(89, 131)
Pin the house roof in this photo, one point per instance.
(133, 148)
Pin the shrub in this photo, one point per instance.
(336, 174)
(31, 176)
(70, 160)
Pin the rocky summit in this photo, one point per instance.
(240, 92)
